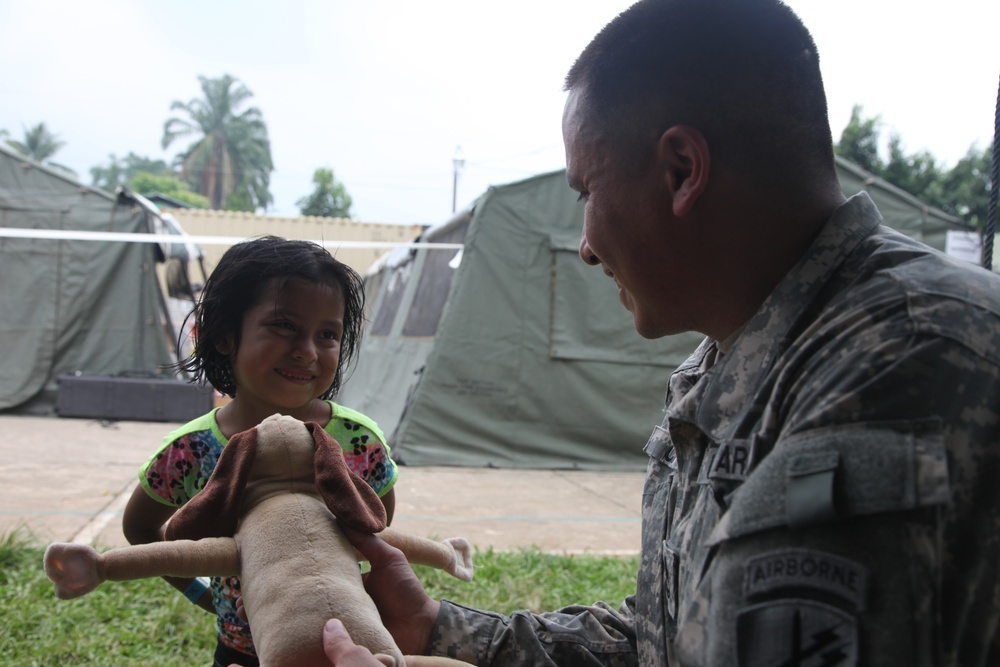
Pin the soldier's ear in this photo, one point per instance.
(684, 160)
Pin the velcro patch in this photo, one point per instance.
(803, 633)
(660, 447)
(795, 568)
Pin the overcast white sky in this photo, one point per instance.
(384, 92)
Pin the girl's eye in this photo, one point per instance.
(331, 335)
(286, 326)
(584, 196)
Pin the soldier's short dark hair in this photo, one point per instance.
(745, 73)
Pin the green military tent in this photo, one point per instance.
(510, 352)
(68, 306)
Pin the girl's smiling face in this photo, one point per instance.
(289, 347)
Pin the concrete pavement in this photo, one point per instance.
(69, 480)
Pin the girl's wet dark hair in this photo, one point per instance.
(236, 285)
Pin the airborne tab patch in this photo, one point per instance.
(806, 568)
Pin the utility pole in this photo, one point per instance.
(457, 162)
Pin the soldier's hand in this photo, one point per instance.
(407, 611)
(342, 651)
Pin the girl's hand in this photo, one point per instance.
(240, 611)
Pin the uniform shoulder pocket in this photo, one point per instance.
(837, 472)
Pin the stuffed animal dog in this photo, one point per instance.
(270, 514)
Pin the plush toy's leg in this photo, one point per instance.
(453, 555)
(77, 569)
(209, 557)
(74, 568)
(462, 567)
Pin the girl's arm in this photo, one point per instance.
(143, 523)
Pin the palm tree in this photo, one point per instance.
(230, 163)
(39, 145)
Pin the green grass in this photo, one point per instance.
(148, 623)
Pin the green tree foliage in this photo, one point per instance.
(329, 199)
(859, 141)
(166, 184)
(241, 199)
(39, 144)
(119, 171)
(917, 173)
(962, 190)
(231, 152)
(965, 190)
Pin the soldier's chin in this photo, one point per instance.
(648, 328)
(643, 327)
(626, 300)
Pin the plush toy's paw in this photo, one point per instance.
(461, 567)
(73, 568)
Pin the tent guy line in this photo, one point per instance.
(126, 237)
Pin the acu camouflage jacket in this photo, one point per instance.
(826, 493)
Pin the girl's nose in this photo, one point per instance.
(305, 349)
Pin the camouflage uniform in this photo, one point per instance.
(826, 493)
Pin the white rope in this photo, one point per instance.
(125, 237)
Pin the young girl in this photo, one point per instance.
(277, 323)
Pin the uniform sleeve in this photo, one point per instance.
(868, 535)
(578, 635)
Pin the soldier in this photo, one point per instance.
(823, 488)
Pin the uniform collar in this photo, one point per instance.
(716, 399)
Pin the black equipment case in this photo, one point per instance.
(131, 398)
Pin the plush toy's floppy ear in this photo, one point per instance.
(351, 500)
(215, 510)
